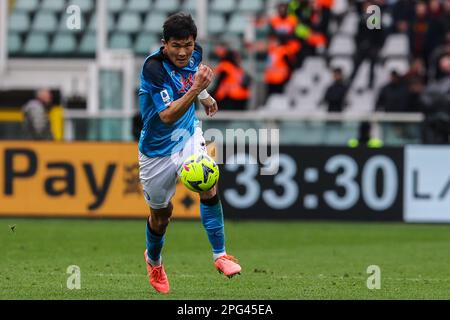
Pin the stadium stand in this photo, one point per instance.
(127, 19)
(38, 29)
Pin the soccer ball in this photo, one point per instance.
(199, 173)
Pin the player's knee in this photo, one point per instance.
(159, 224)
(160, 218)
(162, 223)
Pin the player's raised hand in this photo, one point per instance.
(210, 106)
(203, 77)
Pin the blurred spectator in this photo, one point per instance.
(445, 19)
(335, 94)
(282, 27)
(282, 24)
(415, 89)
(369, 43)
(416, 70)
(435, 35)
(309, 27)
(302, 9)
(418, 40)
(435, 9)
(434, 72)
(415, 80)
(393, 97)
(232, 88)
(36, 123)
(402, 14)
(436, 102)
(279, 66)
(137, 126)
(365, 138)
(325, 8)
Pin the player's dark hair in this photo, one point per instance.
(179, 26)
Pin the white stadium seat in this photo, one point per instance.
(350, 24)
(342, 46)
(396, 45)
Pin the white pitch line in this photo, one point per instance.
(320, 276)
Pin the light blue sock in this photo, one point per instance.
(212, 219)
(155, 243)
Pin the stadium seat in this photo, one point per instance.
(115, 6)
(307, 85)
(141, 6)
(341, 46)
(189, 6)
(14, 43)
(120, 41)
(361, 103)
(93, 22)
(55, 6)
(223, 6)
(238, 23)
(26, 5)
(350, 24)
(45, 22)
(63, 43)
(340, 7)
(400, 65)
(301, 78)
(166, 5)
(250, 6)
(146, 43)
(216, 23)
(154, 22)
(19, 22)
(85, 5)
(129, 22)
(88, 44)
(36, 43)
(396, 45)
(308, 99)
(361, 79)
(277, 102)
(314, 63)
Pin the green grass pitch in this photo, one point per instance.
(280, 260)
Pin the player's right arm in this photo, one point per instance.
(179, 107)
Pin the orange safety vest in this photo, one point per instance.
(317, 39)
(286, 25)
(325, 3)
(231, 86)
(293, 46)
(277, 71)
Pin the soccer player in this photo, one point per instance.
(172, 79)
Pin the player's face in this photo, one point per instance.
(179, 51)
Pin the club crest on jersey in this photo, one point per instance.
(186, 83)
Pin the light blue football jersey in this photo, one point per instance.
(161, 84)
